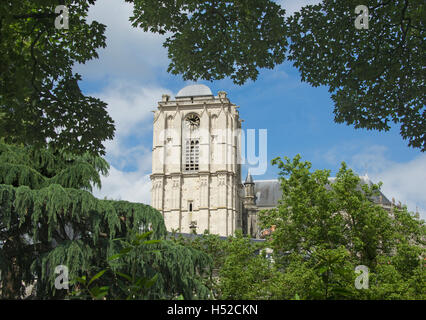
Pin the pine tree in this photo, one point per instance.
(48, 217)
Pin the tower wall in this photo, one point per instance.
(207, 198)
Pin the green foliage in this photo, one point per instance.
(216, 39)
(135, 288)
(324, 230)
(240, 269)
(376, 76)
(314, 211)
(40, 99)
(246, 273)
(213, 247)
(52, 219)
(387, 282)
(94, 292)
(326, 274)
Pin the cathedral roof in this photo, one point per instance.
(268, 192)
(379, 198)
(194, 90)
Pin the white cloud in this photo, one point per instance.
(130, 186)
(126, 73)
(404, 181)
(129, 153)
(369, 159)
(130, 52)
(130, 105)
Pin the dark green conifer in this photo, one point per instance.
(49, 217)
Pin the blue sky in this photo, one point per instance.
(130, 75)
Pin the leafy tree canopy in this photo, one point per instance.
(324, 230)
(376, 75)
(216, 39)
(240, 269)
(40, 99)
(48, 217)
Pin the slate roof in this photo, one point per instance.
(366, 180)
(268, 192)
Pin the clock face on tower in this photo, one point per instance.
(192, 121)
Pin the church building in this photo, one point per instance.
(196, 172)
(196, 167)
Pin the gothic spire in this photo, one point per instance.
(249, 179)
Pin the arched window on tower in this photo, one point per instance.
(214, 121)
(169, 122)
(192, 154)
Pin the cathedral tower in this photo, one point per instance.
(196, 172)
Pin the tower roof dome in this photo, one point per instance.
(194, 90)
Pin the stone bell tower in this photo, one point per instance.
(196, 170)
